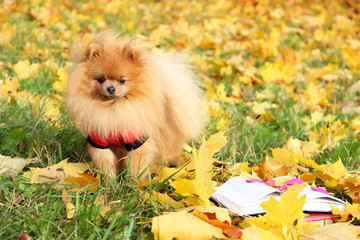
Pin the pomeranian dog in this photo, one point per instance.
(135, 108)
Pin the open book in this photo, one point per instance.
(243, 197)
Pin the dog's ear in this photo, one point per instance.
(93, 50)
(131, 53)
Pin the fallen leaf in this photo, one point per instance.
(83, 180)
(216, 142)
(65, 195)
(58, 171)
(26, 70)
(350, 210)
(256, 233)
(13, 165)
(337, 231)
(287, 211)
(168, 227)
(24, 236)
(70, 210)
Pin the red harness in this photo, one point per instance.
(132, 141)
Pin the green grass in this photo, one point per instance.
(24, 132)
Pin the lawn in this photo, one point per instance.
(282, 83)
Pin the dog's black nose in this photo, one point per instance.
(111, 90)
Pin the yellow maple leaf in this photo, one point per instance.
(267, 117)
(329, 137)
(335, 170)
(84, 180)
(222, 214)
(60, 83)
(315, 97)
(25, 70)
(257, 233)
(203, 185)
(287, 211)
(184, 186)
(278, 72)
(105, 208)
(310, 148)
(70, 210)
(222, 96)
(302, 148)
(222, 124)
(303, 227)
(57, 171)
(260, 108)
(47, 107)
(239, 168)
(355, 126)
(202, 162)
(7, 32)
(13, 165)
(216, 142)
(161, 198)
(334, 231)
(284, 157)
(350, 210)
(10, 88)
(167, 227)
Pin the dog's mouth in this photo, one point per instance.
(110, 93)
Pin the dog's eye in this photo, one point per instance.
(121, 81)
(101, 80)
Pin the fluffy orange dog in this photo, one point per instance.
(134, 107)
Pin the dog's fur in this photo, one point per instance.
(160, 97)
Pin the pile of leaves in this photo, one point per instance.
(282, 89)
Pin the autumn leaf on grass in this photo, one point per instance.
(330, 174)
(216, 142)
(287, 161)
(355, 126)
(337, 231)
(84, 180)
(304, 227)
(280, 216)
(161, 198)
(58, 171)
(183, 225)
(10, 90)
(300, 148)
(202, 186)
(257, 233)
(329, 138)
(47, 107)
(335, 170)
(104, 208)
(350, 210)
(315, 98)
(60, 83)
(287, 211)
(218, 217)
(26, 70)
(13, 165)
(278, 72)
(354, 191)
(261, 108)
(70, 210)
(10, 87)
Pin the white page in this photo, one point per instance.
(320, 202)
(244, 197)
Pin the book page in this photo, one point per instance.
(244, 197)
(320, 202)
